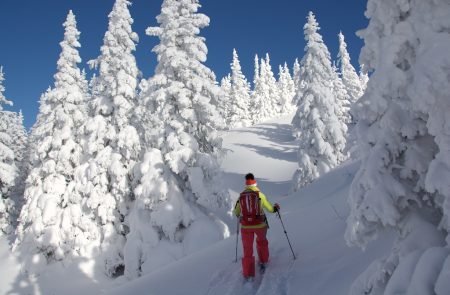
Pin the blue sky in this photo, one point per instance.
(30, 32)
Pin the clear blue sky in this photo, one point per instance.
(30, 32)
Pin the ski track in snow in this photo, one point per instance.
(276, 277)
(229, 281)
(269, 142)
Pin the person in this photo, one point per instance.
(253, 225)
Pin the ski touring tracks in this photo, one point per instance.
(274, 280)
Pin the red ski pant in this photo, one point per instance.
(262, 248)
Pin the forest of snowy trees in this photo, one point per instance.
(126, 171)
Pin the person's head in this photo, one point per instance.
(250, 179)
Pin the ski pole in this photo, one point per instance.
(237, 240)
(285, 232)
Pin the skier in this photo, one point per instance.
(250, 210)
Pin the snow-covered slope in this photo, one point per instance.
(314, 219)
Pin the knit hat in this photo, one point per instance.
(250, 182)
(250, 179)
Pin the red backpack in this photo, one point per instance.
(250, 208)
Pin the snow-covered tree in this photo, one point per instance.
(19, 145)
(3, 99)
(286, 89)
(19, 135)
(8, 168)
(240, 96)
(321, 134)
(296, 74)
(225, 85)
(363, 79)
(404, 136)
(271, 89)
(348, 73)
(258, 103)
(53, 224)
(265, 100)
(298, 81)
(342, 97)
(112, 142)
(179, 187)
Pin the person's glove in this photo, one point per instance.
(276, 208)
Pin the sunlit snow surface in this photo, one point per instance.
(314, 219)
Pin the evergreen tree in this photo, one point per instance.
(349, 76)
(53, 223)
(322, 136)
(286, 88)
(342, 98)
(112, 142)
(298, 82)
(402, 185)
(3, 99)
(19, 136)
(264, 95)
(272, 92)
(19, 145)
(363, 79)
(240, 96)
(296, 74)
(225, 85)
(8, 168)
(258, 107)
(179, 186)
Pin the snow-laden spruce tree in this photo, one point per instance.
(258, 103)
(239, 115)
(321, 134)
(363, 79)
(296, 74)
(179, 176)
(271, 88)
(354, 88)
(402, 186)
(19, 145)
(348, 73)
(342, 97)
(225, 85)
(53, 224)
(3, 99)
(286, 90)
(221, 102)
(299, 83)
(19, 135)
(265, 91)
(112, 142)
(8, 168)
